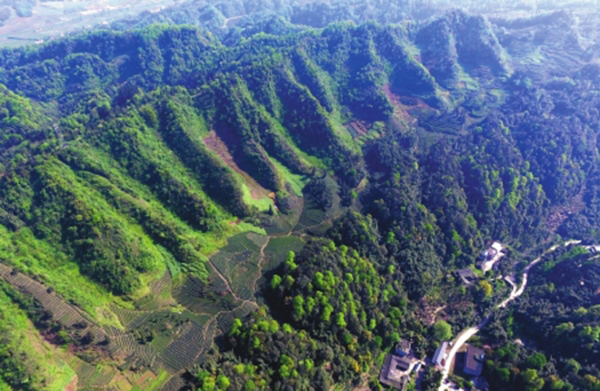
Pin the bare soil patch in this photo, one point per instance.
(402, 106)
(216, 144)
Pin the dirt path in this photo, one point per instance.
(513, 294)
(235, 296)
(228, 20)
(261, 262)
(516, 292)
(208, 324)
(211, 338)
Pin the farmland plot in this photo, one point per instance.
(284, 221)
(225, 320)
(314, 218)
(90, 376)
(239, 263)
(160, 294)
(202, 297)
(277, 250)
(183, 351)
(176, 383)
(65, 314)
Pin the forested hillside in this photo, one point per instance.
(277, 206)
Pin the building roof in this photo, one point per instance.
(440, 353)
(417, 367)
(400, 364)
(474, 361)
(395, 371)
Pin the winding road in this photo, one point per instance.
(464, 335)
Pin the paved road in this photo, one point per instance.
(464, 335)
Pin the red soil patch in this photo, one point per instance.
(234, 223)
(358, 127)
(72, 386)
(216, 144)
(145, 380)
(401, 110)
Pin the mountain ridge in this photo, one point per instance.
(384, 154)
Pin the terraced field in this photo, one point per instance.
(183, 351)
(277, 250)
(179, 336)
(314, 219)
(239, 263)
(64, 313)
(207, 298)
(90, 376)
(159, 296)
(165, 332)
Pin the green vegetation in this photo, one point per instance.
(556, 313)
(442, 331)
(26, 361)
(301, 196)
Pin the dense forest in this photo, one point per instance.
(276, 205)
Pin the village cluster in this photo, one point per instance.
(402, 364)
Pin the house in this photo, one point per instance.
(440, 354)
(402, 349)
(467, 276)
(474, 361)
(417, 367)
(490, 256)
(395, 371)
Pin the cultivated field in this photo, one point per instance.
(153, 339)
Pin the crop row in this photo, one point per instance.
(182, 352)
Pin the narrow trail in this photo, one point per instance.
(222, 277)
(214, 318)
(261, 260)
(464, 335)
(259, 274)
(512, 295)
(209, 334)
(211, 338)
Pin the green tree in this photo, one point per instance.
(327, 311)
(275, 281)
(223, 382)
(442, 331)
(341, 320)
(250, 386)
(556, 384)
(536, 360)
(486, 288)
(290, 261)
(503, 375)
(209, 384)
(235, 328)
(531, 380)
(298, 304)
(572, 366)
